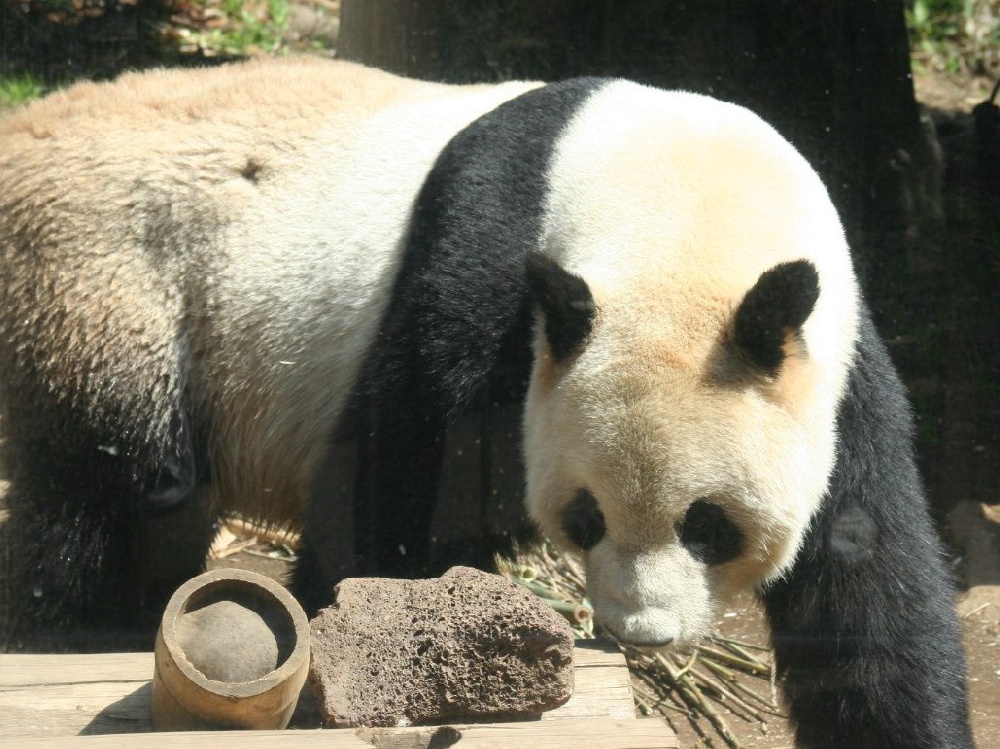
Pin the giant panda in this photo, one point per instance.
(207, 276)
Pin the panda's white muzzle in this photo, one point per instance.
(650, 598)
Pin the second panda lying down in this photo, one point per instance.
(200, 271)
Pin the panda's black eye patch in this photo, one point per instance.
(582, 521)
(708, 535)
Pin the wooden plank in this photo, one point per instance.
(64, 695)
(580, 733)
(20, 670)
(602, 687)
(70, 694)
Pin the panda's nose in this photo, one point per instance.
(644, 645)
(582, 520)
(647, 629)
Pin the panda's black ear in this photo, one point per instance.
(773, 310)
(564, 299)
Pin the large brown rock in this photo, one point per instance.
(466, 645)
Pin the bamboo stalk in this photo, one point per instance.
(753, 667)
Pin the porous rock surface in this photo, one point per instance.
(466, 645)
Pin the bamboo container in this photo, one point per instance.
(236, 601)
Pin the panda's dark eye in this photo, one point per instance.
(708, 535)
(582, 521)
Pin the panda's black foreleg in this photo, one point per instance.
(371, 507)
(401, 480)
(867, 643)
(373, 499)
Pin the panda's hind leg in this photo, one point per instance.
(91, 484)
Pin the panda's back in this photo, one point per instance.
(242, 222)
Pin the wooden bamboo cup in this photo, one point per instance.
(243, 620)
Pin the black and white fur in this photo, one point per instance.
(199, 290)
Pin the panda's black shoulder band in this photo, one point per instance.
(564, 299)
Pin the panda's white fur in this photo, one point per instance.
(208, 276)
(670, 205)
(363, 187)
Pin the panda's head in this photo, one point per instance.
(696, 320)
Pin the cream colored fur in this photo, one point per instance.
(247, 220)
(670, 206)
